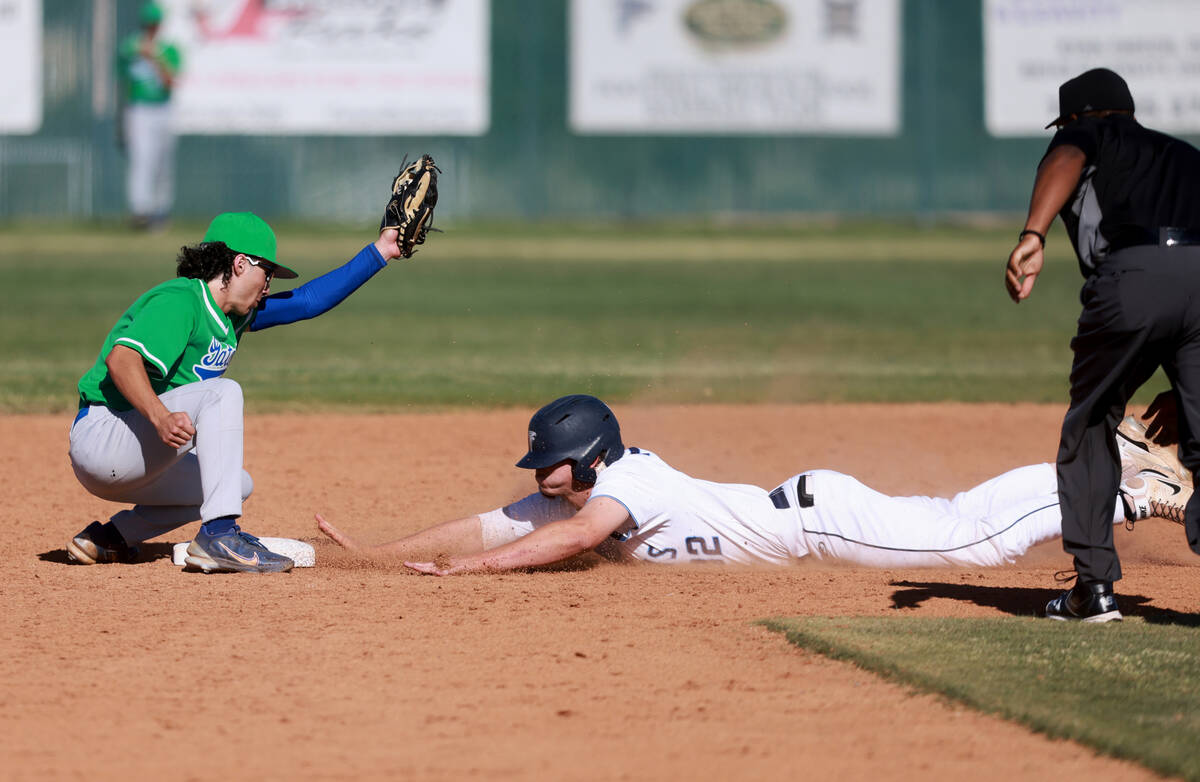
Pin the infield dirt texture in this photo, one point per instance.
(353, 671)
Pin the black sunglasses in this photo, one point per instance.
(267, 267)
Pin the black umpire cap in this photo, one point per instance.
(1096, 90)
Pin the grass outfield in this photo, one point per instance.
(510, 315)
(1128, 690)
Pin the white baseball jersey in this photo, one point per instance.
(677, 518)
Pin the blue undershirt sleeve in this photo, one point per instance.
(319, 295)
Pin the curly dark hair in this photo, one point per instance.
(205, 260)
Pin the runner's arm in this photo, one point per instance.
(551, 543)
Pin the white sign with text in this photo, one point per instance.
(332, 67)
(1033, 46)
(735, 66)
(21, 64)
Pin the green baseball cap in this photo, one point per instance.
(249, 234)
(150, 14)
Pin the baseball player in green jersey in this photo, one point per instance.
(147, 68)
(158, 426)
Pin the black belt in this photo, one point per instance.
(1166, 237)
(1177, 237)
(779, 498)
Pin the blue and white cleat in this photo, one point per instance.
(233, 552)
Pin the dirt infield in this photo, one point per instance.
(354, 671)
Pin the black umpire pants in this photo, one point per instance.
(1141, 310)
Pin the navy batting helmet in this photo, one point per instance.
(576, 427)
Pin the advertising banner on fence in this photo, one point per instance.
(332, 67)
(21, 64)
(735, 66)
(1032, 46)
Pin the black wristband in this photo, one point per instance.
(1041, 237)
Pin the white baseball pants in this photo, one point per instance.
(118, 456)
(151, 144)
(991, 524)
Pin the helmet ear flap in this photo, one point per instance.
(582, 470)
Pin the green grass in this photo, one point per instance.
(1130, 690)
(492, 315)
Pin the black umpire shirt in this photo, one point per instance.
(1135, 181)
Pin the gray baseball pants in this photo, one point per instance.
(118, 456)
(151, 175)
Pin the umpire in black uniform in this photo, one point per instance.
(1130, 200)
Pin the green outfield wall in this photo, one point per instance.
(529, 164)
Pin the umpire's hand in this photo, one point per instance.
(1163, 415)
(1024, 265)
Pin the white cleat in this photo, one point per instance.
(1152, 493)
(1139, 453)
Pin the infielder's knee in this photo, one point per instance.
(225, 388)
(223, 393)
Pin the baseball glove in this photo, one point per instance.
(410, 209)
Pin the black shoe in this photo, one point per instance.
(1092, 602)
(100, 543)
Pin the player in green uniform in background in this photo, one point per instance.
(159, 427)
(147, 68)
